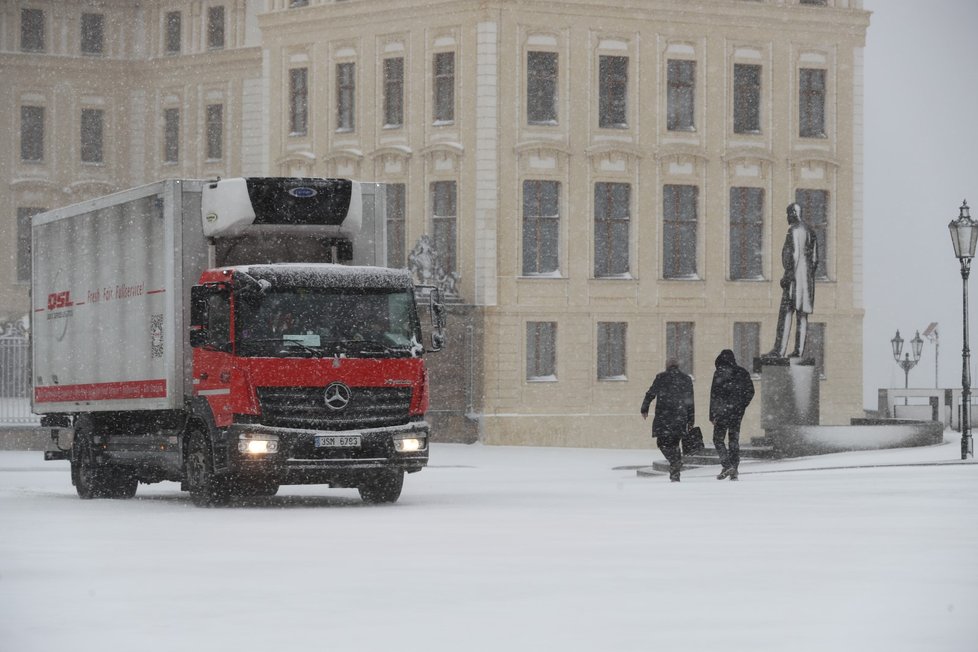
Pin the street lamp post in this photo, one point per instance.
(964, 237)
(907, 363)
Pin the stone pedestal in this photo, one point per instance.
(789, 391)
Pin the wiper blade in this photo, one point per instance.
(364, 346)
(282, 342)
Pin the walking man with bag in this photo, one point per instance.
(730, 394)
(672, 390)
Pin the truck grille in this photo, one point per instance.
(305, 407)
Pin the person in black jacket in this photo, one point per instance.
(730, 395)
(674, 412)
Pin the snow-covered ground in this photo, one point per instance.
(497, 548)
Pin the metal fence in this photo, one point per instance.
(15, 377)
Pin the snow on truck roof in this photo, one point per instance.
(328, 275)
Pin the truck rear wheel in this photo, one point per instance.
(206, 488)
(382, 487)
(94, 480)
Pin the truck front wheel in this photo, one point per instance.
(206, 488)
(382, 487)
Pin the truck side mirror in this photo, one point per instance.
(200, 296)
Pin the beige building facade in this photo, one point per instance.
(605, 183)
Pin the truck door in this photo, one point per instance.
(210, 336)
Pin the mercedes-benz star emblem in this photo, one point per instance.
(337, 396)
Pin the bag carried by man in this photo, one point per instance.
(692, 441)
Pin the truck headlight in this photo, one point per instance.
(257, 444)
(410, 443)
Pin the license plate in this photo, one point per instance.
(337, 441)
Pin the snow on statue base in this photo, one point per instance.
(789, 391)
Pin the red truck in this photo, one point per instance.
(231, 335)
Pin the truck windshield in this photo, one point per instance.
(290, 322)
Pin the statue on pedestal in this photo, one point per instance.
(799, 256)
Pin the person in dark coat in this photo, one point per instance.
(672, 390)
(730, 394)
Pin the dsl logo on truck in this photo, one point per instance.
(337, 396)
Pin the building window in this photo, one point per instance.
(681, 83)
(811, 103)
(613, 92)
(815, 346)
(444, 70)
(298, 101)
(393, 92)
(612, 213)
(24, 216)
(814, 3)
(298, 3)
(32, 134)
(541, 227)
(541, 88)
(215, 131)
(32, 30)
(611, 350)
(92, 124)
(815, 213)
(747, 99)
(215, 27)
(746, 342)
(396, 210)
(92, 34)
(345, 90)
(679, 344)
(444, 220)
(541, 350)
(679, 214)
(171, 135)
(173, 32)
(746, 233)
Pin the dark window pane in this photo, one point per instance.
(746, 342)
(679, 209)
(612, 214)
(747, 98)
(298, 101)
(171, 135)
(215, 131)
(815, 346)
(91, 135)
(393, 92)
(811, 103)
(173, 32)
(444, 218)
(24, 215)
(215, 27)
(444, 101)
(611, 350)
(92, 33)
(613, 92)
(679, 344)
(345, 96)
(681, 84)
(541, 350)
(541, 227)
(746, 232)
(541, 87)
(32, 133)
(32, 30)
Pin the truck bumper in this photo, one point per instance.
(298, 459)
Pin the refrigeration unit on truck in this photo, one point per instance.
(231, 335)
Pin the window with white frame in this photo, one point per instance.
(541, 350)
(345, 96)
(746, 233)
(679, 344)
(298, 101)
(811, 103)
(613, 92)
(393, 92)
(612, 221)
(215, 131)
(541, 88)
(32, 134)
(541, 227)
(679, 223)
(612, 337)
(680, 95)
(92, 128)
(444, 222)
(444, 87)
(747, 98)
